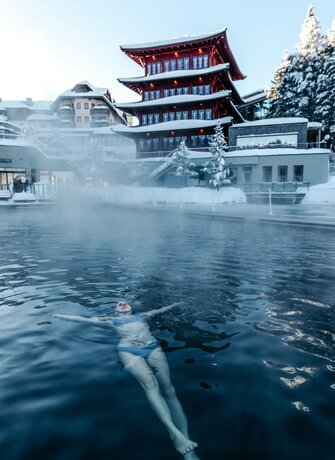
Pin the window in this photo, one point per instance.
(165, 92)
(200, 61)
(267, 173)
(165, 116)
(78, 119)
(282, 173)
(156, 117)
(266, 141)
(298, 173)
(87, 119)
(78, 105)
(86, 106)
(150, 119)
(208, 114)
(146, 96)
(144, 119)
(153, 67)
(180, 64)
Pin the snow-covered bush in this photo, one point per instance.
(216, 168)
(181, 160)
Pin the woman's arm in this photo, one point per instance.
(82, 319)
(162, 310)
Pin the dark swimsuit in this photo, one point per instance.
(144, 351)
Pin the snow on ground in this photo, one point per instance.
(321, 194)
(160, 195)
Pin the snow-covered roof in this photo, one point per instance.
(42, 117)
(174, 100)
(256, 96)
(15, 105)
(41, 106)
(175, 74)
(177, 40)
(272, 121)
(176, 125)
(314, 124)
(93, 91)
(274, 152)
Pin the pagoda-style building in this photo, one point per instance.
(186, 90)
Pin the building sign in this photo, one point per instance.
(6, 160)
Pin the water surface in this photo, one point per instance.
(251, 351)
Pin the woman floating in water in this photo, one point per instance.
(143, 357)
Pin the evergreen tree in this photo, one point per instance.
(296, 84)
(326, 87)
(311, 39)
(181, 160)
(89, 163)
(216, 167)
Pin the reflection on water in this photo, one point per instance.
(251, 353)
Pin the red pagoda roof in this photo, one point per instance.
(179, 125)
(175, 100)
(218, 39)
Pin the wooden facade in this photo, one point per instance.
(186, 90)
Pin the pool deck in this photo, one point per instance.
(299, 215)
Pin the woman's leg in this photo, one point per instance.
(138, 367)
(158, 362)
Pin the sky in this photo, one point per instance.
(47, 46)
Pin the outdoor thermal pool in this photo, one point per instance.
(251, 351)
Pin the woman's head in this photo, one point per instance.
(123, 307)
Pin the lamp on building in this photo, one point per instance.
(176, 54)
(152, 85)
(200, 51)
(153, 58)
(202, 131)
(175, 83)
(172, 133)
(148, 134)
(200, 80)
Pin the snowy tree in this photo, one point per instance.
(139, 172)
(181, 160)
(273, 92)
(89, 163)
(311, 39)
(216, 167)
(296, 85)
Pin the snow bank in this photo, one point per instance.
(159, 195)
(321, 194)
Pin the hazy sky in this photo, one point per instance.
(49, 45)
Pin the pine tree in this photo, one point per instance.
(311, 39)
(296, 85)
(89, 163)
(216, 167)
(181, 160)
(326, 86)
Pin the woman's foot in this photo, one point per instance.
(183, 444)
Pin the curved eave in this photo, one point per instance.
(174, 100)
(136, 83)
(219, 39)
(180, 125)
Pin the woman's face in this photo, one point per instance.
(123, 307)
